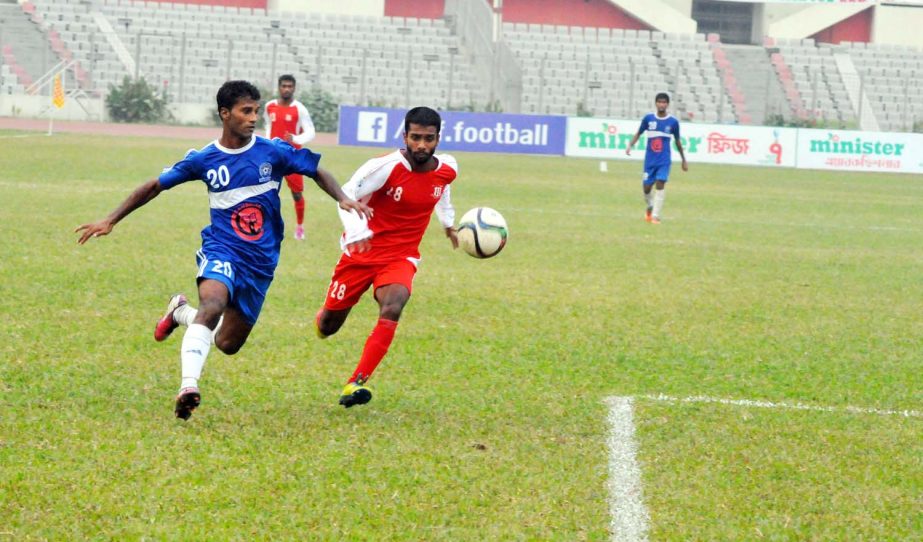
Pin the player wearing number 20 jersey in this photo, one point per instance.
(240, 248)
(658, 156)
(246, 229)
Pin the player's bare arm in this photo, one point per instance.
(452, 233)
(632, 143)
(329, 185)
(679, 147)
(141, 195)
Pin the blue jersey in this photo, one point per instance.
(243, 193)
(660, 132)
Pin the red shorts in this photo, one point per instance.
(295, 182)
(351, 280)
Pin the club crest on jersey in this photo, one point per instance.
(265, 172)
(652, 125)
(247, 222)
(437, 192)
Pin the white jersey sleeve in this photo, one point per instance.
(445, 212)
(306, 132)
(369, 178)
(267, 120)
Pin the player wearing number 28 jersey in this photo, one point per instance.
(402, 189)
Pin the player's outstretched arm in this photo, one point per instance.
(328, 184)
(141, 195)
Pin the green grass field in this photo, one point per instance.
(489, 419)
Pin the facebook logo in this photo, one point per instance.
(372, 127)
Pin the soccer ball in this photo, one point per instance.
(482, 232)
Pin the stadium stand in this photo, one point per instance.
(189, 50)
(813, 83)
(374, 60)
(614, 72)
(890, 78)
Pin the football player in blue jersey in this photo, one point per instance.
(240, 247)
(660, 128)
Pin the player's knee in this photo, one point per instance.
(228, 346)
(391, 310)
(209, 313)
(328, 328)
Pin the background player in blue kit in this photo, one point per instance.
(660, 127)
(240, 248)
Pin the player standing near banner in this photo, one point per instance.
(240, 248)
(660, 127)
(288, 119)
(382, 251)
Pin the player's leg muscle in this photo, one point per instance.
(391, 300)
(330, 321)
(213, 300)
(233, 333)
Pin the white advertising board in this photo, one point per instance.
(860, 151)
(713, 143)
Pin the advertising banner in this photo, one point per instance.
(713, 143)
(860, 151)
(461, 131)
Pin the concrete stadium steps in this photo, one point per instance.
(26, 44)
(323, 50)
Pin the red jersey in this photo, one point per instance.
(288, 119)
(402, 201)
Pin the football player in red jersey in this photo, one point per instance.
(289, 120)
(382, 250)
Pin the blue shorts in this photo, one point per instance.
(246, 289)
(656, 173)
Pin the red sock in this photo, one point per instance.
(299, 211)
(375, 348)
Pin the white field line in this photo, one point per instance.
(629, 516)
(788, 406)
(17, 136)
(679, 220)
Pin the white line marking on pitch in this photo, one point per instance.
(629, 516)
(788, 406)
(18, 136)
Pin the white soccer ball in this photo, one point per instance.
(482, 232)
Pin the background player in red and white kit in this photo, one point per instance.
(289, 120)
(382, 250)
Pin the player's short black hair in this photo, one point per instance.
(662, 96)
(287, 77)
(232, 91)
(424, 116)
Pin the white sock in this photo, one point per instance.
(185, 315)
(196, 342)
(649, 198)
(658, 202)
(217, 328)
